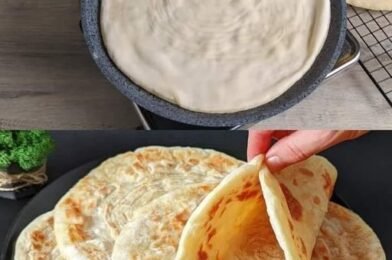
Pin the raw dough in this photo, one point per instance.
(216, 56)
(372, 4)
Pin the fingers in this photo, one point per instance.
(258, 142)
(294, 146)
(282, 133)
(302, 144)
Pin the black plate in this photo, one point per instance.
(90, 13)
(43, 202)
(47, 199)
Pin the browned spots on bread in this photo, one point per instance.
(205, 187)
(303, 247)
(139, 166)
(164, 240)
(247, 194)
(322, 249)
(37, 239)
(76, 233)
(140, 157)
(291, 225)
(208, 227)
(342, 215)
(327, 183)
(248, 184)
(186, 167)
(295, 182)
(218, 162)
(223, 210)
(295, 207)
(211, 234)
(104, 189)
(202, 255)
(306, 172)
(50, 221)
(73, 209)
(193, 161)
(50, 243)
(214, 209)
(152, 154)
(316, 200)
(182, 217)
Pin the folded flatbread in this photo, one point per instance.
(89, 218)
(254, 215)
(37, 240)
(290, 217)
(297, 200)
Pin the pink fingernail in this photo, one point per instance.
(273, 161)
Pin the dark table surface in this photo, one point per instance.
(364, 166)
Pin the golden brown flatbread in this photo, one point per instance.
(89, 218)
(155, 230)
(253, 215)
(345, 236)
(187, 203)
(37, 240)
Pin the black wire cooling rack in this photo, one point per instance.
(373, 30)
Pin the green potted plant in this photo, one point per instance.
(23, 156)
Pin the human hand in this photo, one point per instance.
(294, 146)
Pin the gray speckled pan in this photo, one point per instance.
(90, 12)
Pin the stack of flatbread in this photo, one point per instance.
(187, 203)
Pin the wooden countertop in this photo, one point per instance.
(348, 100)
(48, 80)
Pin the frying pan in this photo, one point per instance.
(90, 14)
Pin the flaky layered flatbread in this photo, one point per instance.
(254, 215)
(37, 241)
(89, 218)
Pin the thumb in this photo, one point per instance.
(302, 144)
(258, 142)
